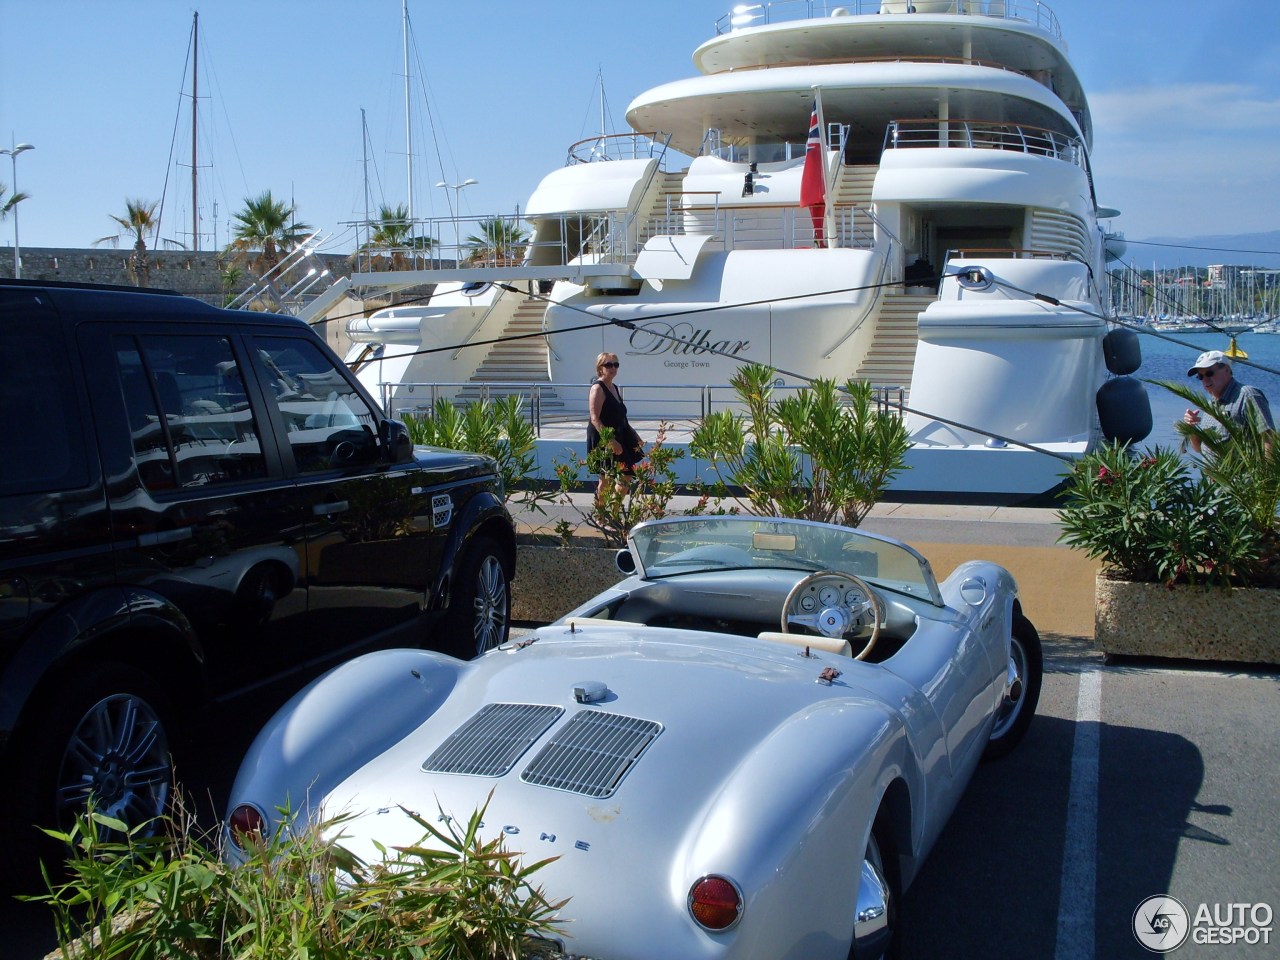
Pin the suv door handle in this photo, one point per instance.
(329, 509)
(164, 536)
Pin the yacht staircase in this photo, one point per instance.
(512, 364)
(652, 221)
(853, 185)
(892, 356)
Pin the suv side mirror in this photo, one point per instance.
(393, 438)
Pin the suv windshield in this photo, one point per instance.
(678, 546)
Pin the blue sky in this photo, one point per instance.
(1185, 97)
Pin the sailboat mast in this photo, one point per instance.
(364, 146)
(195, 79)
(408, 114)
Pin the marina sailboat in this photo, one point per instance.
(952, 255)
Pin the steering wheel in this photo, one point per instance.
(835, 604)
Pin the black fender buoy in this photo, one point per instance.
(1122, 351)
(1124, 410)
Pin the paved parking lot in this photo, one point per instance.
(1161, 782)
(1136, 779)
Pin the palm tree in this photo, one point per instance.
(393, 234)
(138, 220)
(499, 239)
(232, 278)
(265, 227)
(9, 202)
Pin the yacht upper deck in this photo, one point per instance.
(746, 15)
(1019, 36)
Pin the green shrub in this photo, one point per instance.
(823, 453)
(497, 429)
(298, 896)
(1147, 519)
(627, 501)
(1242, 458)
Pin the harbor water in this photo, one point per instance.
(1163, 360)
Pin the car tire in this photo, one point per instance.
(106, 730)
(1014, 716)
(479, 616)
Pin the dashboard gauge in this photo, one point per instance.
(853, 598)
(807, 603)
(829, 596)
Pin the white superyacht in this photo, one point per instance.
(895, 191)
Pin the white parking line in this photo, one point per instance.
(1079, 850)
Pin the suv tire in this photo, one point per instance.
(108, 729)
(479, 617)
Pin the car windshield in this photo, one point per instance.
(684, 545)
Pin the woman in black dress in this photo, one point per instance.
(607, 410)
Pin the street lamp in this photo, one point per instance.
(13, 152)
(456, 210)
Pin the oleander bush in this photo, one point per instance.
(824, 453)
(627, 500)
(496, 428)
(1241, 458)
(1149, 517)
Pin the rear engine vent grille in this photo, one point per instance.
(592, 753)
(490, 743)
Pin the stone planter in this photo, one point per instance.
(551, 580)
(1195, 623)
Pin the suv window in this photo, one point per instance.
(329, 425)
(188, 412)
(40, 449)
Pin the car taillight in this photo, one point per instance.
(246, 821)
(715, 903)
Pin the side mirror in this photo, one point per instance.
(393, 438)
(625, 561)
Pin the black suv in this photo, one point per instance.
(198, 504)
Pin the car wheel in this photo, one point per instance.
(480, 610)
(875, 920)
(1022, 690)
(104, 735)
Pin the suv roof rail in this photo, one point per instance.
(79, 285)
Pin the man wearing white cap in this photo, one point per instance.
(1233, 398)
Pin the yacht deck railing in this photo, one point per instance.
(740, 227)
(619, 146)
(548, 411)
(744, 16)
(984, 134)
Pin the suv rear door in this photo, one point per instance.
(53, 517)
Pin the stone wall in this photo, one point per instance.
(195, 274)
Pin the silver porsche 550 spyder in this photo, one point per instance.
(744, 750)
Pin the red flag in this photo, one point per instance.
(813, 192)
